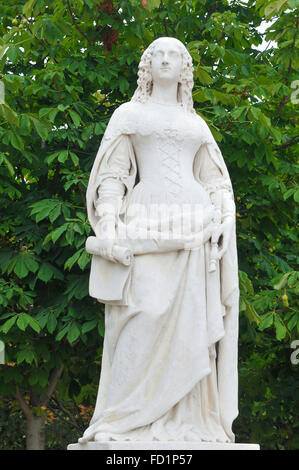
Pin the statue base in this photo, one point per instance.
(160, 445)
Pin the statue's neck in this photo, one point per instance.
(164, 92)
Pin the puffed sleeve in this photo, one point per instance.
(213, 176)
(112, 179)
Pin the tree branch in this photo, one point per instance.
(291, 142)
(58, 89)
(221, 37)
(284, 101)
(68, 414)
(75, 23)
(23, 405)
(164, 20)
(54, 379)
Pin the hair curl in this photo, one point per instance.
(145, 78)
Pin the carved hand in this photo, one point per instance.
(105, 230)
(224, 230)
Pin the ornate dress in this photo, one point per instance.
(169, 366)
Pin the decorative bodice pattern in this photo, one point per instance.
(165, 144)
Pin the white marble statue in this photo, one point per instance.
(161, 204)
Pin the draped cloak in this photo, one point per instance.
(221, 290)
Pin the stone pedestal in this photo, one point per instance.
(157, 445)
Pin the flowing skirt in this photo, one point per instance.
(159, 365)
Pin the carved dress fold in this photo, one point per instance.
(169, 366)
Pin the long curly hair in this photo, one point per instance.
(145, 78)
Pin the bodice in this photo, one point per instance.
(165, 145)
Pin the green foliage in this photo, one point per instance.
(65, 67)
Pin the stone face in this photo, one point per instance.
(171, 291)
(161, 446)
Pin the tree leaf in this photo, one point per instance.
(20, 267)
(45, 272)
(34, 324)
(8, 324)
(40, 128)
(63, 156)
(203, 76)
(283, 281)
(8, 164)
(281, 330)
(274, 7)
(90, 325)
(58, 232)
(16, 141)
(52, 323)
(28, 7)
(62, 333)
(296, 196)
(22, 321)
(31, 263)
(73, 333)
(75, 117)
(74, 158)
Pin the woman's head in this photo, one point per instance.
(166, 59)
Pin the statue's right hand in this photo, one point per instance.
(105, 231)
(106, 251)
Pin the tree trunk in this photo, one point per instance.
(35, 435)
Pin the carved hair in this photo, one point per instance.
(145, 78)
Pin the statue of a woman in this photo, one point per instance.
(169, 365)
